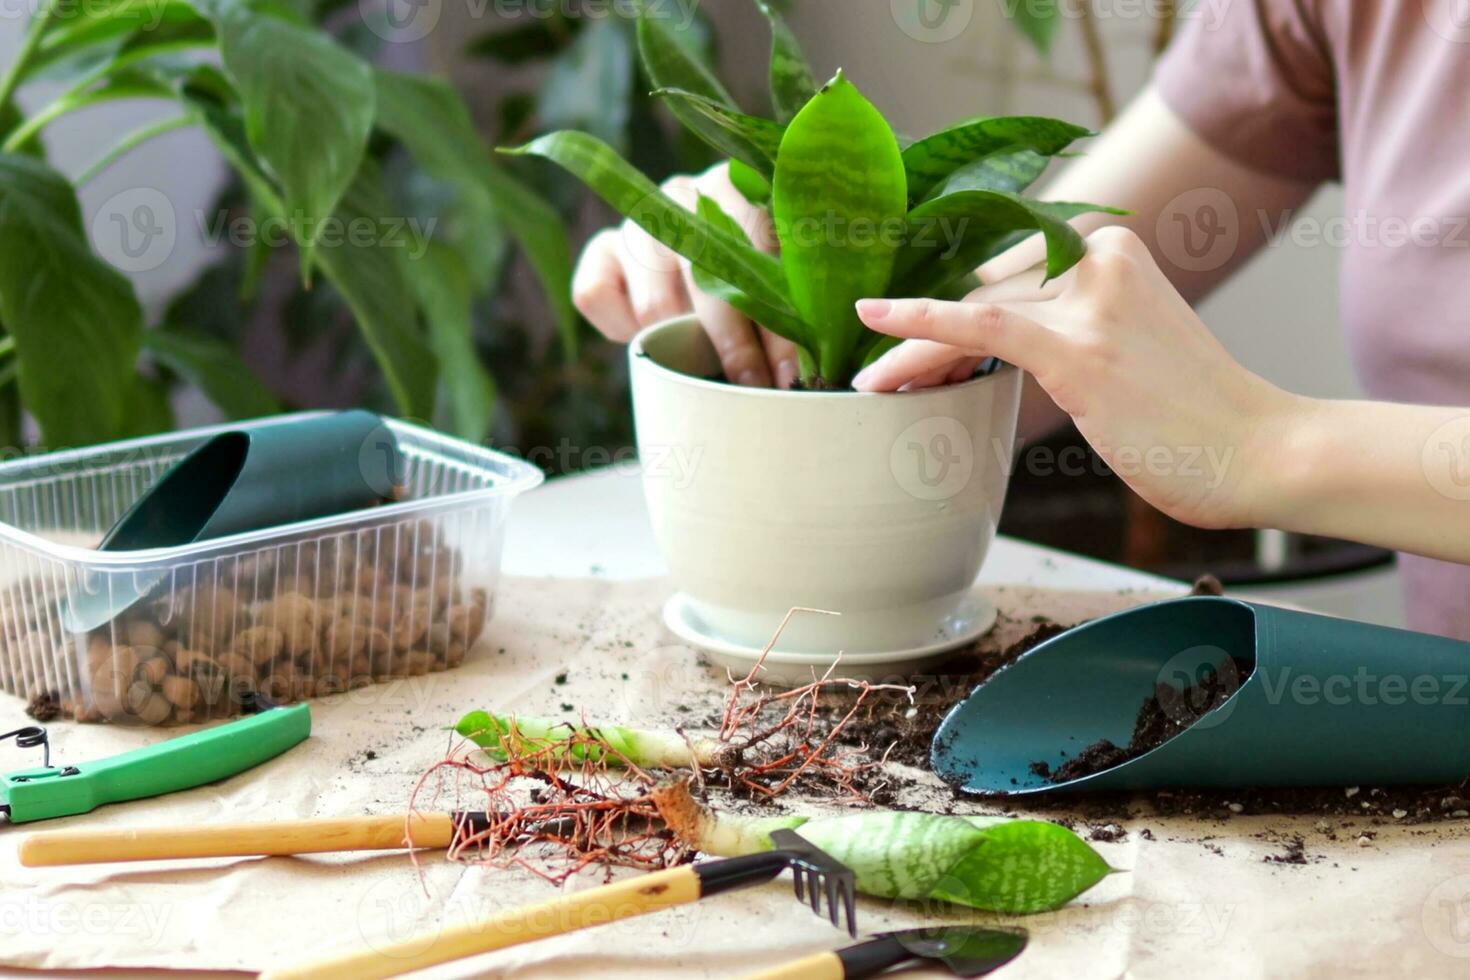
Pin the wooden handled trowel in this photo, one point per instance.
(968, 951)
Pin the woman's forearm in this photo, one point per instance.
(1397, 476)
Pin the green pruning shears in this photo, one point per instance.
(177, 764)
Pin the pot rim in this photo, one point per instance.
(637, 353)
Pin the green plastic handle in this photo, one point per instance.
(179, 763)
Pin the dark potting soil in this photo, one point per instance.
(1167, 713)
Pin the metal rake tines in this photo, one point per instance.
(817, 877)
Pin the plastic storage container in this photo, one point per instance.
(299, 610)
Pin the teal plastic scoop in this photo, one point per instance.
(246, 479)
(1317, 702)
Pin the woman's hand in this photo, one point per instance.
(1118, 349)
(626, 280)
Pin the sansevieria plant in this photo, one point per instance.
(858, 211)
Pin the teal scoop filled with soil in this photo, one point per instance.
(1214, 692)
(247, 479)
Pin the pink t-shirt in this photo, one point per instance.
(1374, 94)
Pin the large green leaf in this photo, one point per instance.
(792, 84)
(734, 133)
(838, 200)
(431, 121)
(774, 320)
(442, 283)
(629, 192)
(215, 368)
(308, 106)
(76, 323)
(950, 236)
(371, 272)
(933, 158)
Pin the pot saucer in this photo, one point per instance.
(974, 618)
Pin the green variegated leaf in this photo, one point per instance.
(734, 134)
(776, 321)
(1011, 170)
(630, 193)
(895, 854)
(752, 186)
(838, 200)
(1021, 867)
(950, 236)
(792, 82)
(932, 159)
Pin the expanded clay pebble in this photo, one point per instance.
(323, 620)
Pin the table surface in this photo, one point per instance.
(596, 524)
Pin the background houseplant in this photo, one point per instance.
(302, 120)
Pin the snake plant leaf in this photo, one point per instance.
(838, 200)
(733, 134)
(1021, 867)
(672, 66)
(950, 236)
(751, 184)
(429, 118)
(76, 322)
(1016, 867)
(1012, 169)
(774, 320)
(933, 158)
(308, 106)
(635, 196)
(792, 82)
(441, 281)
(215, 368)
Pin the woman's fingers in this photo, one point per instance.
(910, 362)
(655, 285)
(1024, 287)
(599, 290)
(736, 339)
(978, 329)
(781, 356)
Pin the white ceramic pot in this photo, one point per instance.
(880, 507)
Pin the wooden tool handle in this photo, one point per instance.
(232, 840)
(819, 966)
(596, 906)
